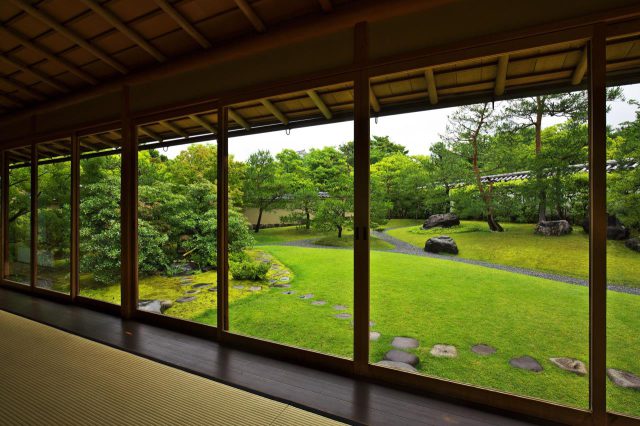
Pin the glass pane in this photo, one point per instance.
(54, 215)
(177, 218)
(623, 230)
(291, 221)
(99, 221)
(487, 280)
(19, 216)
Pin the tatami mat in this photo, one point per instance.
(49, 377)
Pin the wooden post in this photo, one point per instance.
(223, 223)
(361, 203)
(34, 215)
(598, 225)
(5, 215)
(129, 211)
(75, 219)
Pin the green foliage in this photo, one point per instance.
(246, 270)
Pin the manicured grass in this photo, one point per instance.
(287, 233)
(347, 241)
(519, 246)
(398, 223)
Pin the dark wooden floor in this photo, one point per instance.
(346, 399)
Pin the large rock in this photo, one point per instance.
(441, 244)
(446, 220)
(553, 228)
(624, 379)
(615, 229)
(633, 244)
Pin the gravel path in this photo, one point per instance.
(406, 248)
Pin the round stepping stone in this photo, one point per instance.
(201, 285)
(624, 379)
(340, 307)
(374, 336)
(186, 299)
(570, 364)
(444, 351)
(526, 363)
(484, 350)
(194, 291)
(284, 279)
(397, 365)
(307, 296)
(289, 292)
(404, 343)
(342, 316)
(319, 302)
(238, 287)
(213, 289)
(401, 356)
(282, 285)
(154, 306)
(255, 288)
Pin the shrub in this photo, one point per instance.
(253, 271)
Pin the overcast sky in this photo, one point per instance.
(417, 131)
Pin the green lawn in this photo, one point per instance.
(519, 246)
(398, 223)
(329, 239)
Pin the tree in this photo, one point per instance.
(400, 180)
(263, 186)
(467, 135)
(443, 170)
(379, 148)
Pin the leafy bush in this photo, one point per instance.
(253, 271)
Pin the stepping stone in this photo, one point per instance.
(482, 349)
(307, 296)
(284, 279)
(404, 343)
(154, 306)
(374, 336)
(201, 285)
(397, 365)
(238, 287)
(289, 292)
(255, 288)
(319, 302)
(282, 285)
(272, 281)
(624, 379)
(571, 365)
(192, 291)
(213, 289)
(340, 307)
(275, 266)
(401, 356)
(186, 299)
(444, 351)
(526, 363)
(342, 316)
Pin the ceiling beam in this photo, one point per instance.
(22, 87)
(105, 140)
(50, 150)
(373, 100)
(251, 15)
(275, 111)
(186, 25)
(501, 75)
(175, 129)
(239, 119)
(319, 103)
(431, 86)
(50, 56)
(326, 5)
(39, 75)
(203, 123)
(150, 133)
(10, 99)
(69, 34)
(112, 19)
(581, 68)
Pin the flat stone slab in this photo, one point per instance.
(238, 287)
(340, 307)
(319, 302)
(186, 299)
(624, 379)
(482, 349)
(405, 343)
(282, 285)
(154, 306)
(374, 336)
(284, 279)
(193, 291)
(201, 285)
(526, 363)
(401, 356)
(397, 365)
(213, 289)
(444, 351)
(307, 296)
(342, 316)
(289, 292)
(570, 364)
(255, 288)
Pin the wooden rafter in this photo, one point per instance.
(175, 129)
(69, 34)
(51, 150)
(150, 133)
(39, 75)
(275, 111)
(373, 100)
(431, 86)
(581, 68)
(112, 19)
(22, 87)
(251, 15)
(8, 98)
(184, 24)
(319, 103)
(50, 56)
(239, 119)
(501, 75)
(203, 123)
(326, 5)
